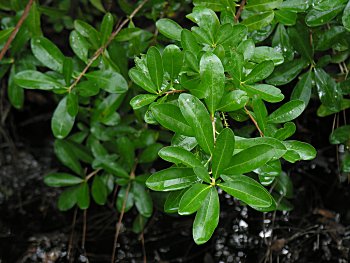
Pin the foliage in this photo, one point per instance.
(208, 99)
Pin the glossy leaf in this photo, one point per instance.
(172, 202)
(286, 72)
(212, 80)
(142, 100)
(128, 203)
(262, 5)
(260, 72)
(47, 53)
(171, 179)
(61, 179)
(99, 190)
(250, 159)
(65, 154)
(346, 17)
(288, 130)
(302, 90)
(106, 27)
(287, 112)
(340, 135)
(110, 81)
(83, 196)
(87, 31)
(281, 41)
(258, 21)
(207, 218)
(247, 190)
(142, 80)
(233, 100)
(179, 155)
(143, 200)
(30, 79)
(285, 17)
(328, 92)
(263, 53)
(294, 5)
(169, 28)
(67, 199)
(62, 122)
(170, 116)
(150, 153)
(230, 36)
(300, 39)
(266, 92)
(155, 66)
(193, 198)
(260, 112)
(79, 45)
(320, 17)
(188, 42)
(198, 118)
(202, 173)
(172, 60)
(299, 151)
(224, 147)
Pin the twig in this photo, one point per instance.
(119, 223)
(102, 48)
(17, 27)
(92, 174)
(239, 12)
(174, 91)
(70, 244)
(84, 231)
(254, 121)
(143, 248)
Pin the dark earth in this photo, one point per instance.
(33, 230)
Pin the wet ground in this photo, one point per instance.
(32, 230)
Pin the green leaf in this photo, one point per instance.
(346, 17)
(299, 151)
(212, 80)
(262, 54)
(106, 27)
(340, 135)
(260, 72)
(5, 34)
(72, 104)
(99, 190)
(212, 4)
(295, 5)
(87, 31)
(193, 198)
(285, 17)
(170, 117)
(150, 153)
(281, 41)
(171, 179)
(30, 79)
(207, 218)
(142, 100)
(179, 155)
(300, 39)
(143, 200)
(67, 199)
(286, 72)
(65, 154)
(129, 202)
(321, 17)
(61, 179)
(126, 150)
(142, 80)
(111, 166)
(110, 81)
(302, 90)
(188, 42)
(330, 38)
(62, 122)
(47, 53)
(328, 91)
(155, 66)
(202, 173)
(250, 159)
(260, 113)
(172, 202)
(67, 70)
(323, 111)
(98, 5)
(79, 45)
(247, 190)
(169, 28)
(287, 112)
(172, 60)
(229, 36)
(197, 116)
(233, 100)
(15, 93)
(266, 92)
(288, 130)
(258, 21)
(224, 147)
(262, 5)
(83, 196)
(284, 185)
(247, 48)
(33, 21)
(139, 224)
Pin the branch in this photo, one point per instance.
(239, 12)
(102, 48)
(254, 121)
(17, 27)
(174, 91)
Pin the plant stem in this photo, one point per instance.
(70, 244)
(87, 178)
(84, 231)
(102, 48)
(254, 121)
(174, 91)
(239, 12)
(17, 27)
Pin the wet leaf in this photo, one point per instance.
(169, 28)
(287, 112)
(179, 155)
(193, 198)
(61, 179)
